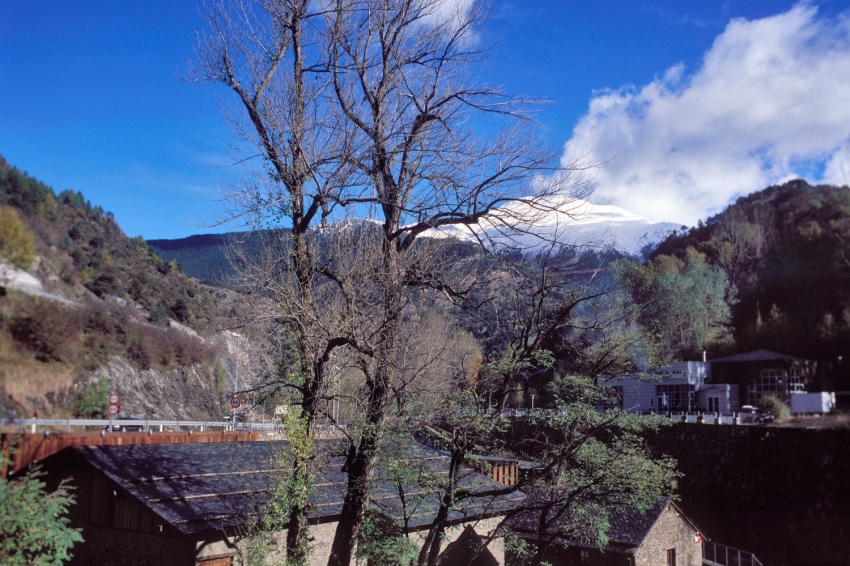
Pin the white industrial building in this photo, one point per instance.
(680, 386)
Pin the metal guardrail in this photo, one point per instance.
(147, 425)
(678, 416)
(715, 554)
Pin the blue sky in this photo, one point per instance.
(690, 103)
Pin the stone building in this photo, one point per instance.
(660, 536)
(193, 504)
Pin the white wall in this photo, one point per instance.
(639, 389)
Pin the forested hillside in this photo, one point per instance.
(784, 253)
(80, 247)
(113, 297)
(787, 251)
(201, 256)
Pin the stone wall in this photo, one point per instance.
(669, 532)
(781, 493)
(322, 535)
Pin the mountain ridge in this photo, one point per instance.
(576, 223)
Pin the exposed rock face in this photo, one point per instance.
(189, 393)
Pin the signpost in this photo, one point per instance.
(114, 409)
(235, 402)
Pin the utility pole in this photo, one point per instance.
(236, 378)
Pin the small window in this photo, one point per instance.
(671, 557)
(585, 557)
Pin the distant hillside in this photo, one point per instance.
(81, 251)
(787, 249)
(200, 256)
(104, 300)
(577, 223)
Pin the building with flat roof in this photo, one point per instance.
(762, 372)
(669, 388)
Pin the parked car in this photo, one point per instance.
(751, 414)
(121, 425)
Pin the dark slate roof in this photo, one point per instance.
(628, 527)
(211, 486)
(756, 356)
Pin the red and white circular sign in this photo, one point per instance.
(235, 402)
(114, 409)
(114, 398)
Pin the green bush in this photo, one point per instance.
(93, 400)
(382, 542)
(180, 309)
(34, 530)
(17, 244)
(159, 313)
(774, 406)
(104, 284)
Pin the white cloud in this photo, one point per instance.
(770, 102)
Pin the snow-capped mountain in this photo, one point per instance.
(571, 222)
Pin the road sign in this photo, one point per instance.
(235, 402)
(113, 399)
(114, 410)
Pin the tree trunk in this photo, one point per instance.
(360, 471)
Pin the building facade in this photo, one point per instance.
(762, 372)
(670, 388)
(660, 536)
(196, 504)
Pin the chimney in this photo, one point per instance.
(703, 356)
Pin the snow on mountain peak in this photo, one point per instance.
(572, 222)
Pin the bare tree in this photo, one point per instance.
(401, 75)
(268, 54)
(361, 110)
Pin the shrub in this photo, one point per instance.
(139, 288)
(774, 406)
(17, 245)
(167, 347)
(220, 378)
(49, 330)
(34, 530)
(139, 352)
(101, 320)
(66, 270)
(382, 542)
(159, 313)
(104, 284)
(93, 401)
(180, 309)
